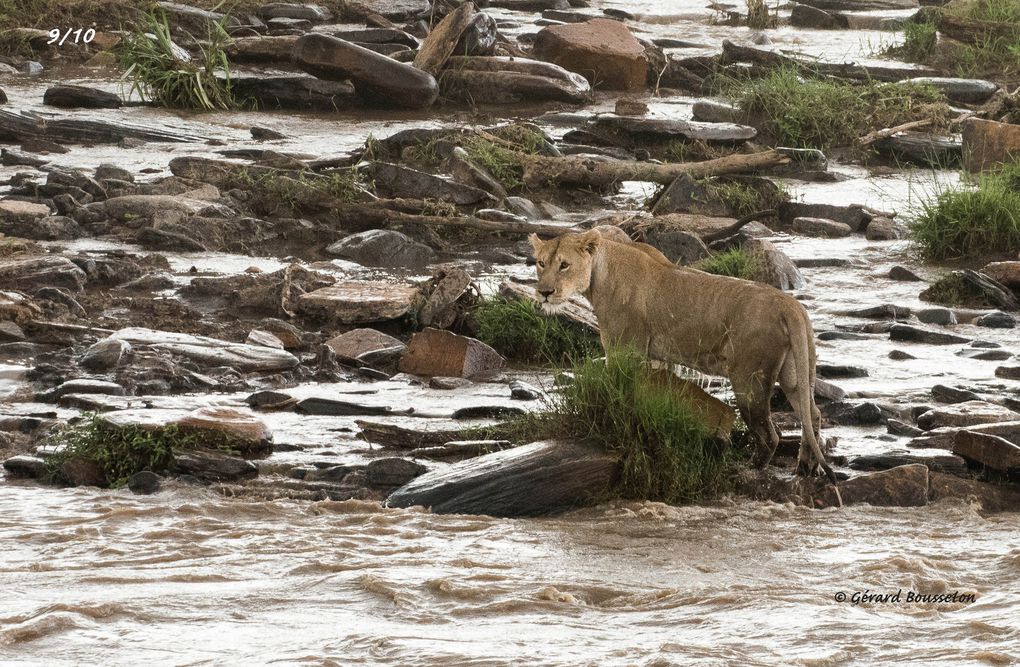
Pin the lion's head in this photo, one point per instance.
(564, 267)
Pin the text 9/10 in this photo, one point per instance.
(81, 36)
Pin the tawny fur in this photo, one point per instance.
(752, 334)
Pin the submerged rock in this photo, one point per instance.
(376, 77)
(532, 480)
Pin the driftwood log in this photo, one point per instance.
(19, 126)
(540, 170)
(745, 53)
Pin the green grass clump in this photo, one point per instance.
(517, 329)
(501, 159)
(735, 263)
(125, 450)
(758, 15)
(826, 113)
(950, 289)
(276, 191)
(919, 40)
(958, 223)
(744, 199)
(621, 404)
(159, 74)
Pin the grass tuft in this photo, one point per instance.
(958, 223)
(735, 263)
(622, 404)
(826, 113)
(517, 329)
(501, 159)
(160, 72)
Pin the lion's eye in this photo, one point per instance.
(541, 265)
(564, 266)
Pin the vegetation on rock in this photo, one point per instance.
(735, 263)
(517, 329)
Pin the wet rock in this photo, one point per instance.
(710, 111)
(840, 371)
(977, 290)
(987, 143)
(195, 20)
(903, 274)
(885, 311)
(996, 320)
(19, 216)
(394, 10)
(635, 131)
(1008, 372)
(17, 308)
(902, 486)
(923, 148)
(967, 413)
(458, 450)
(678, 246)
(435, 352)
(1006, 273)
(989, 497)
(776, 269)
(11, 332)
(942, 438)
(41, 271)
(944, 394)
(502, 80)
(987, 450)
(466, 172)
(337, 408)
(897, 427)
(213, 466)
(209, 351)
(393, 180)
(532, 480)
(966, 91)
(848, 414)
(821, 227)
(854, 216)
(602, 50)
(12, 158)
(947, 463)
(107, 171)
(907, 333)
(84, 386)
(374, 36)
(383, 247)
(437, 48)
(144, 483)
(296, 92)
(942, 316)
(686, 195)
(805, 16)
(357, 302)
(263, 338)
(71, 97)
(77, 471)
(392, 472)
(985, 355)
(527, 208)
(447, 297)
(883, 229)
(522, 391)
(376, 77)
(359, 344)
(26, 466)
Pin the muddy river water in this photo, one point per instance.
(189, 577)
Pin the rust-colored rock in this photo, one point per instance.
(1007, 273)
(436, 352)
(988, 450)
(902, 486)
(987, 143)
(602, 50)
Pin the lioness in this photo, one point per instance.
(751, 333)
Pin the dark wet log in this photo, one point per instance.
(399, 437)
(436, 49)
(533, 480)
(71, 97)
(296, 92)
(21, 126)
(367, 216)
(746, 53)
(539, 169)
(484, 87)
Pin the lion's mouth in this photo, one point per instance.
(552, 307)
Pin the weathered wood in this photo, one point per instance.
(399, 437)
(973, 31)
(23, 125)
(532, 480)
(539, 169)
(746, 53)
(878, 135)
(440, 43)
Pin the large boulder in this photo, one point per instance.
(967, 413)
(434, 352)
(533, 480)
(236, 428)
(988, 450)
(32, 273)
(208, 351)
(376, 77)
(383, 247)
(987, 144)
(902, 486)
(604, 51)
(504, 80)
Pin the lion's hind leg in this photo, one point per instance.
(753, 402)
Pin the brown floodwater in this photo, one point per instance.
(188, 577)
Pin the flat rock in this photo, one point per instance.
(238, 428)
(902, 486)
(500, 80)
(209, 351)
(286, 10)
(32, 273)
(947, 463)
(996, 320)
(71, 97)
(436, 352)
(821, 227)
(533, 480)
(604, 51)
(391, 472)
(214, 466)
(356, 343)
(14, 213)
(376, 77)
(853, 215)
(383, 247)
(26, 466)
(988, 450)
(638, 131)
(944, 437)
(987, 143)
(392, 180)
(356, 302)
(907, 333)
(967, 413)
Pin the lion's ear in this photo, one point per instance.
(590, 241)
(536, 243)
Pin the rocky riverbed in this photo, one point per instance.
(289, 288)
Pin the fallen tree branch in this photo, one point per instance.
(367, 216)
(539, 170)
(727, 232)
(878, 135)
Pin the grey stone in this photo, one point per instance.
(144, 482)
(996, 320)
(383, 247)
(942, 316)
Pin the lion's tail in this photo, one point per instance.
(800, 335)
